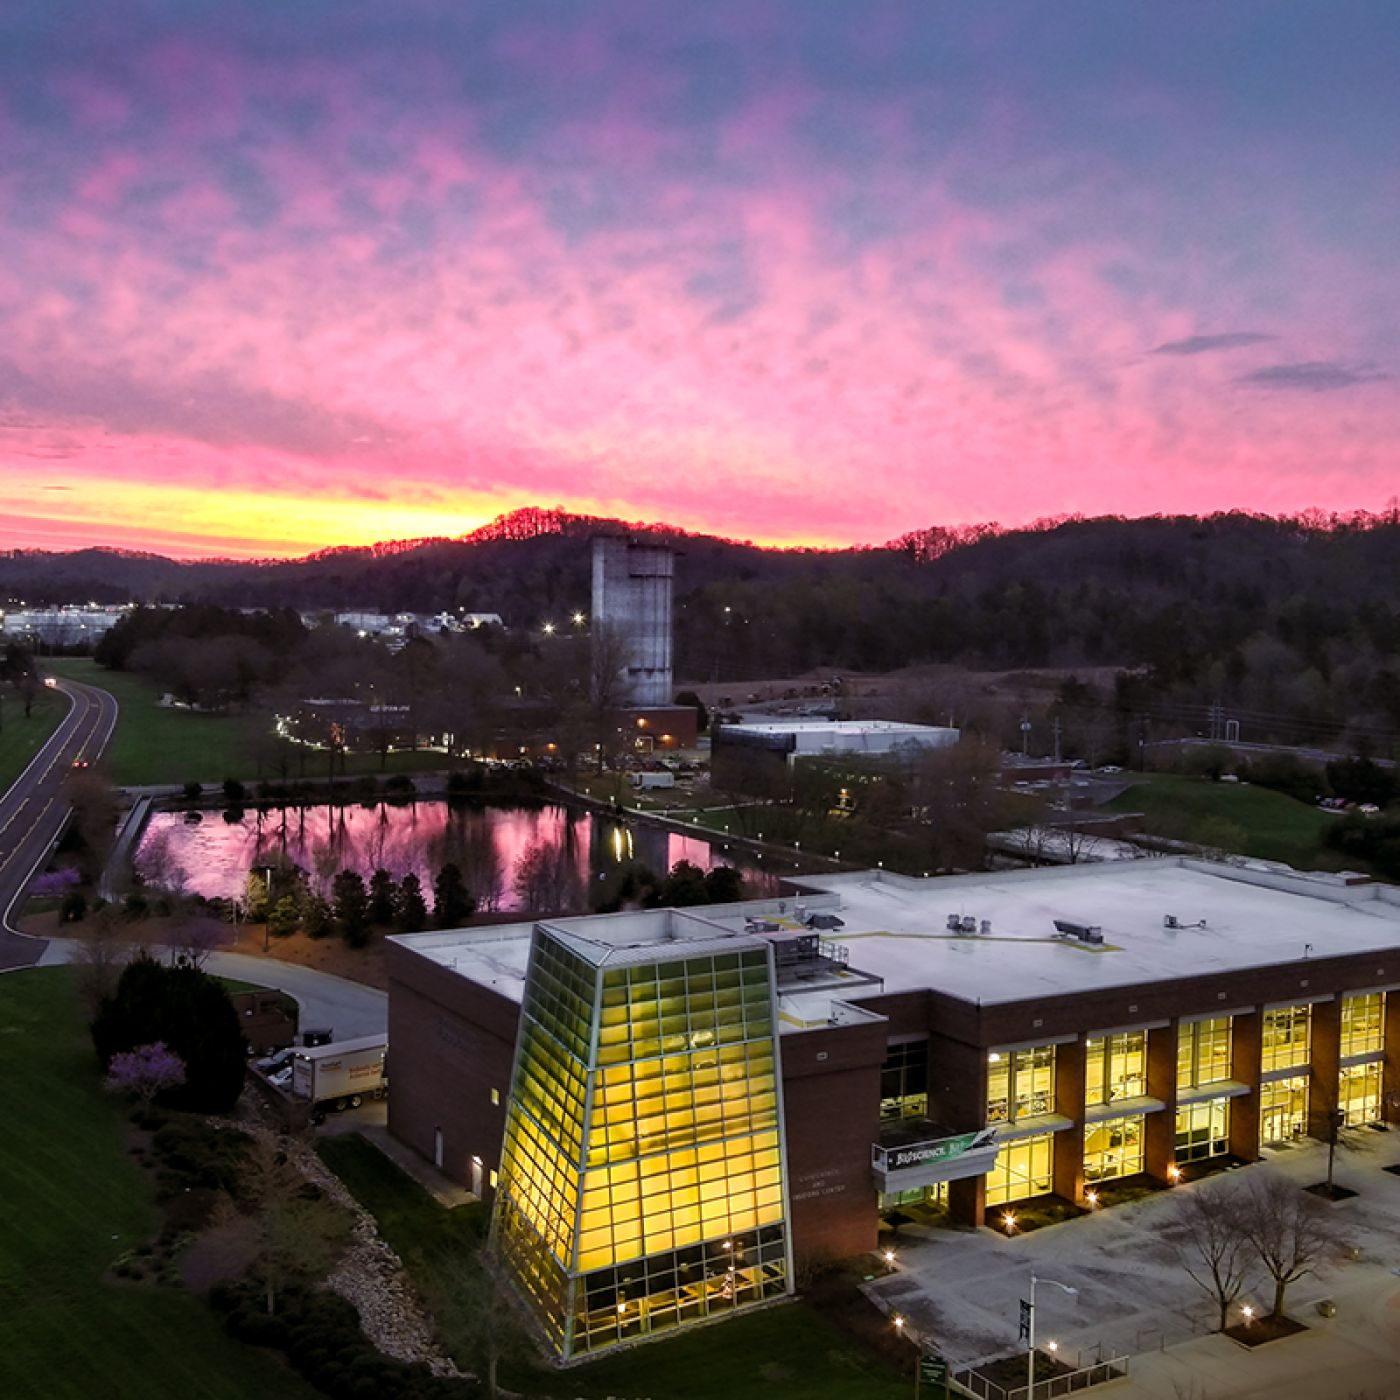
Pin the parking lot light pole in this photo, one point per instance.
(1030, 1328)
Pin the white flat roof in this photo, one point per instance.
(1231, 920)
(896, 929)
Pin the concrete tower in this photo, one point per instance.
(631, 622)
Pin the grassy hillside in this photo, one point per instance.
(73, 1204)
(21, 738)
(157, 745)
(1246, 820)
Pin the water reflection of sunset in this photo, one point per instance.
(216, 855)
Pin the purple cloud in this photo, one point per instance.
(1201, 344)
(1313, 376)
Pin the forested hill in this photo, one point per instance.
(1205, 602)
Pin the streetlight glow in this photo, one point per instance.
(1030, 1328)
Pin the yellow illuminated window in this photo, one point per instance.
(1024, 1168)
(1363, 1024)
(1113, 1067)
(1202, 1130)
(1283, 1109)
(1020, 1083)
(1113, 1148)
(1359, 1094)
(1285, 1037)
(1203, 1053)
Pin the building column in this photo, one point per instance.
(1325, 1059)
(1244, 1067)
(1159, 1132)
(1390, 1072)
(1067, 1162)
(967, 1199)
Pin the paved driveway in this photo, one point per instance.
(348, 1008)
(961, 1289)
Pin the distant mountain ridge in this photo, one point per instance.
(533, 564)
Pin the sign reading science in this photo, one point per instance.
(944, 1150)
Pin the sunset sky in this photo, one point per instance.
(284, 274)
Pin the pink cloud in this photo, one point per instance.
(747, 337)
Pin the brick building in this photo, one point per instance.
(752, 1084)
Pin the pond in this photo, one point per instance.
(585, 855)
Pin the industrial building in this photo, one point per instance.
(670, 1107)
(759, 755)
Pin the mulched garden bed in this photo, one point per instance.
(1259, 1330)
(1010, 1371)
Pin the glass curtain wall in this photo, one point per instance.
(642, 1175)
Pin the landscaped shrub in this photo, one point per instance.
(193, 1153)
(191, 1013)
(320, 1333)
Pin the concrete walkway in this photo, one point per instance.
(960, 1290)
(350, 1009)
(371, 1121)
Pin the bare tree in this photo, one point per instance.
(1329, 1124)
(1290, 1231)
(299, 1231)
(101, 956)
(477, 1311)
(157, 867)
(612, 654)
(1216, 1251)
(546, 877)
(194, 939)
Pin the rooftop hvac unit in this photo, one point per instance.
(954, 923)
(1085, 933)
(969, 924)
(986, 925)
(1170, 921)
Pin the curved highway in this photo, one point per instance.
(35, 809)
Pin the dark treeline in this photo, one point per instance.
(1292, 625)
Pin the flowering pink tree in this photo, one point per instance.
(145, 1071)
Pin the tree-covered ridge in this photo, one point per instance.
(1291, 624)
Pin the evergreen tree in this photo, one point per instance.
(724, 885)
(190, 1012)
(452, 901)
(351, 905)
(316, 918)
(383, 897)
(413, 908)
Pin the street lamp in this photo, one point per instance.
(1028, 1321)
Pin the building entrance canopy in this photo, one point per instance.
(931, 1160)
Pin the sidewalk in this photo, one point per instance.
(960, 1290)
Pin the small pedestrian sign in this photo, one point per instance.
(933, 1370)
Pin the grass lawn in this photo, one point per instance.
(782, 1353)
(170, 746)
(1274, 826)
(154, 745)
(21, 738)
(73, 1203)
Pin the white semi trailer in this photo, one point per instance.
(342, 1074)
